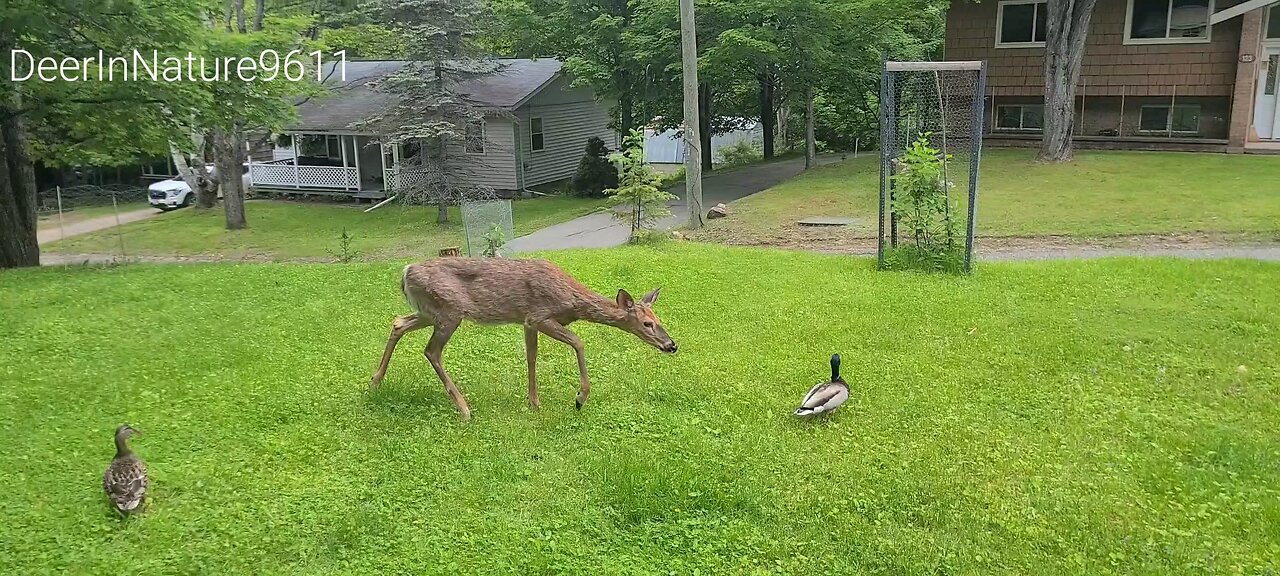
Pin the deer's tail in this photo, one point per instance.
(408, 295)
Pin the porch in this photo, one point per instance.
(333, 164)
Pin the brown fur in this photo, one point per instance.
(536, 293)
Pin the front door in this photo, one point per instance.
(1266, 115)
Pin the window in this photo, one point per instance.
(334, 145)
(536, 141)
(1181, 119)
(1166, 21)
(1020, 117)
(1021, 23)
(1273, 69)
(475, 137)
(1273, 23)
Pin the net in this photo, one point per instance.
(487, 227)
(931, 119)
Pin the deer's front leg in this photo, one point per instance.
(531, 354)
(560, 332)
(435, 352)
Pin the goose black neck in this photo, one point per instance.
(835, 367)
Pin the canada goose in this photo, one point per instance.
(827, 396)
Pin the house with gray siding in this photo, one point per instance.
(535, 130)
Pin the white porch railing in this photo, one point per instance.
(290, 176)
(395, 178)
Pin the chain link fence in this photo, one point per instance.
(65, 212)
(931, 123)
(487, 227)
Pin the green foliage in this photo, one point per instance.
(595, 172)
(922, 203)
(1048, 419)
(364, 41)
(345, 253)
(493, 241)
(744, 152)
(642, 201)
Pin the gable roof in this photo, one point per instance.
(349, 99)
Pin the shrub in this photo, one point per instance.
(595, 172)
(922, 201)
(639, 192)
(744, 152)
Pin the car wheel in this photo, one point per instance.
(186, 200)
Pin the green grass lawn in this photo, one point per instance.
(1101, 194)
(1038, 418)
(282, 230)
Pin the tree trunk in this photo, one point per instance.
(240, 16)
(625, 111)
(704, 126)
(18, 243)
(259, 12)
(226, 152)
(1068, 25)
(766, 113)
(693, 159)
(229, 15)
(810, 143)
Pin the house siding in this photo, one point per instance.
(495, 168)
(570, 116)
(1116, 79)
(1110, 67)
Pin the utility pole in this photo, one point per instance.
(692, 156)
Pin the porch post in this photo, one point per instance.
(294, 142)
(355, 149)
(342, 143)
(382, 157)
(1242, 99)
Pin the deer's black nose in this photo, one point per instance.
(670, 348)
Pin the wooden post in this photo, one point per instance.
(294, 141)
(355, 151)
(342, 143)
(693, 155)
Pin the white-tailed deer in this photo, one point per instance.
(536, 293)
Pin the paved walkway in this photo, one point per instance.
(53, 233)
(602, 231)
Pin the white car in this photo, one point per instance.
(174, 192)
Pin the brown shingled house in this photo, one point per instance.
(1157, 74)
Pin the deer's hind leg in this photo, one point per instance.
(531, 355)
(399, 327)
(435, 350)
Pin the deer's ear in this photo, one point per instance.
(624, 300)
(651, 297)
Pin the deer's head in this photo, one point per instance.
(641, 321)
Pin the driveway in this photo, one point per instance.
(602, 231)
(53, 233)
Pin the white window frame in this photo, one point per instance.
(1272, 13)
(542, 131)
(1000, 24)
(1168, 120)
(1022, 110)
(484, 135)
(330, 141)
(1128, 28)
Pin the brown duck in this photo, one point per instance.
(125, 480)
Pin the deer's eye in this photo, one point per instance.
(648, 324)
